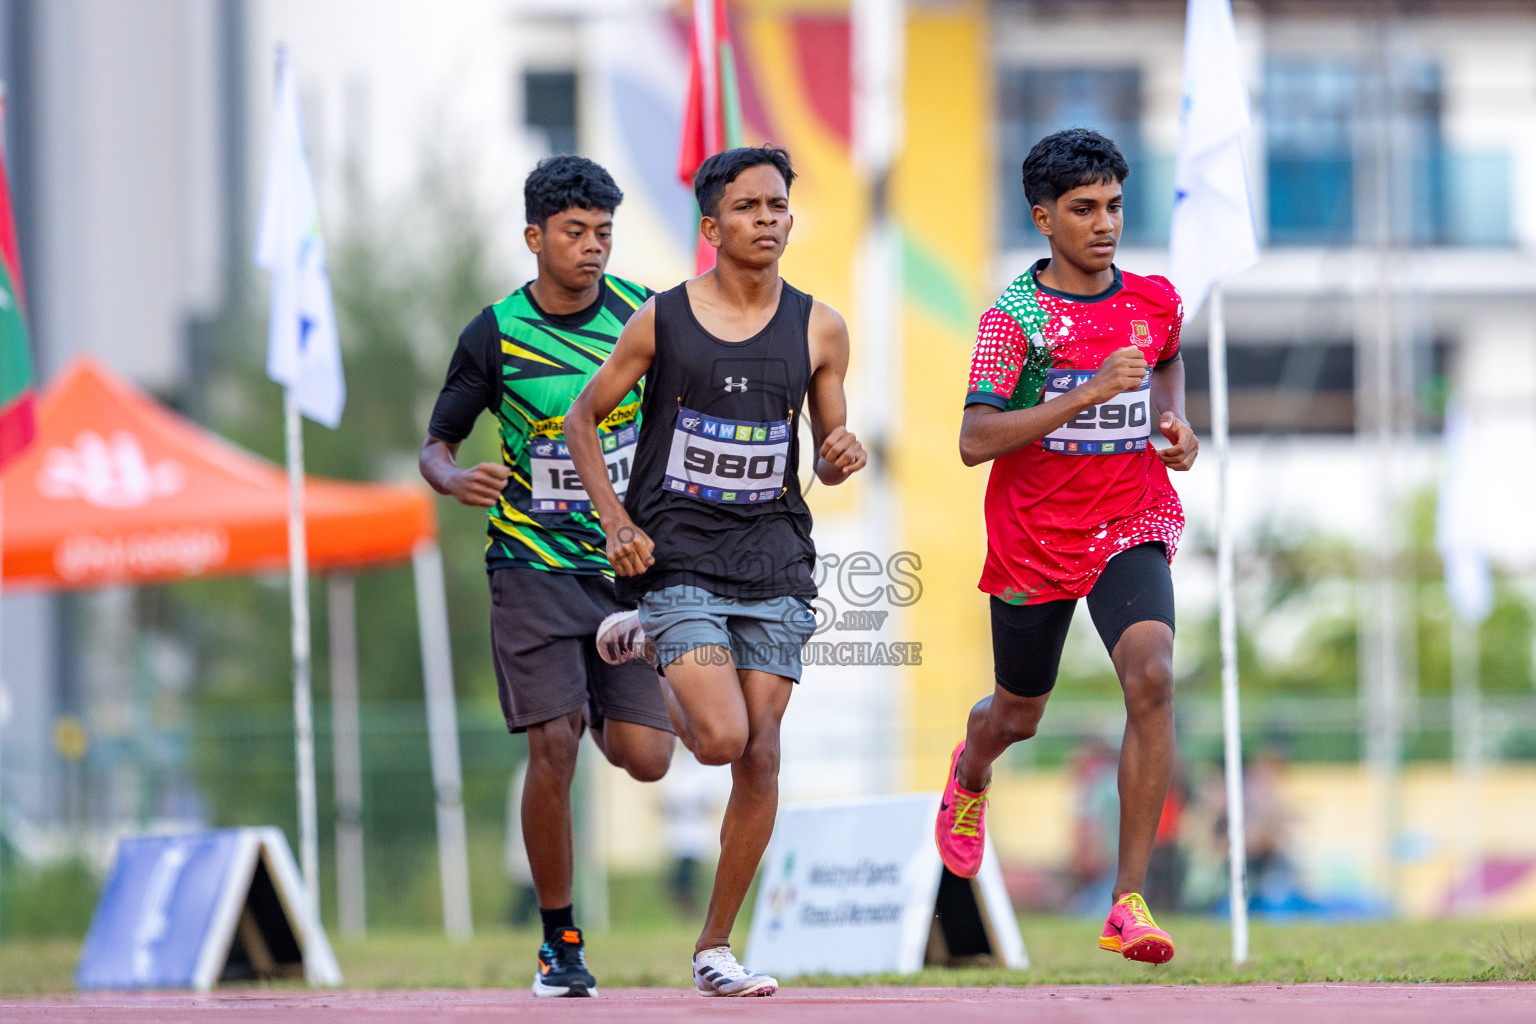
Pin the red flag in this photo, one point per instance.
(712, 116)
(18, 422)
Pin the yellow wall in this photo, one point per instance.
(829, 200)
(942, 200)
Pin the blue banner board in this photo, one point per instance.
(171, 904)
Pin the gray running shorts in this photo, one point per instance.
(763, 635)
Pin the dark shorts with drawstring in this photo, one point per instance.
(543, 630)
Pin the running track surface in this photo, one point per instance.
(1292, 1004)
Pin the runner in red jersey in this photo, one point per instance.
(1059, 508)
(1073, 365)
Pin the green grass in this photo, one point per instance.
(54, 901)
(1063, 951)
(37, 966)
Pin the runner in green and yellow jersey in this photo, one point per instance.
(525, 359)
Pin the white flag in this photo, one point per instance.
(303, 353)
(1468, 583)
(1212, 232)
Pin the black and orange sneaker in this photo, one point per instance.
(563, 967)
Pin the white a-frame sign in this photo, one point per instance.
(857, 887)
(191, 910)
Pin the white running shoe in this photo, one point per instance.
(620, 639)
(716, 973)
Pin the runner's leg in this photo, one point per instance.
(542, 681)
(678, 716)
(997, 722)
(546, 810)
(1133, 609)
(1026, 652)
(1144, 662)
(626, 710)
(706, 704)
(641, 750)
(753, 806)
(733, 718)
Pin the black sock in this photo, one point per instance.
(556, 920)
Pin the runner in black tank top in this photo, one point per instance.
(725, 513)
(714, 537)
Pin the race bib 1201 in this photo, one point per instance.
(1122, 424)
(727, 460)
(556, 485)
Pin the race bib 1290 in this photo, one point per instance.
(1122, 424)
(556, 484)
(727, 460)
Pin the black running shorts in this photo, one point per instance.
(543, 630)
(1135, 586)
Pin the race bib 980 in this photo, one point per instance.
(1122, 424)
(727, 460)
(556, 484)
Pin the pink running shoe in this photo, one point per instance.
(1131, 932)
(961, 829)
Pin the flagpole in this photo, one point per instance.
(1466, 739)
(878, 64)
(1237, 852)
(1469, 589)
(10, 259)
(303, 701)
(346, 755)
(709, 57)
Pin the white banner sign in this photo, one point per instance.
(850, 887)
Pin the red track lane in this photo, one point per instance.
(1249, 1004)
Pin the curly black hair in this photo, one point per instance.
(561, 182)
(723, 168)
(1069, 159)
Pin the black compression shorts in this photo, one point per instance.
(1027, 639)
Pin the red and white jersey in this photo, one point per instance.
(1059, 509)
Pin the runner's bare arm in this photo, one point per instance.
(478, 486)
(1168, 397)
(629, 549)
(838, 453)
(988, 433)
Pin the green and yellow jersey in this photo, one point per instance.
(527, 366)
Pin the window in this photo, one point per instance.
(1032, 103)
(1278, 388)
(549, 105)
(1310, 127)
(1307, 387)
(1421, 98)
(1319, 120)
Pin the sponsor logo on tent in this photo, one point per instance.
(188, 551)
(109, 473)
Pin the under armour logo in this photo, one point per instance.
(732, 384)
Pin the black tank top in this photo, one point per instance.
(716, 483)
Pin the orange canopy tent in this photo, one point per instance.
(117, 489)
